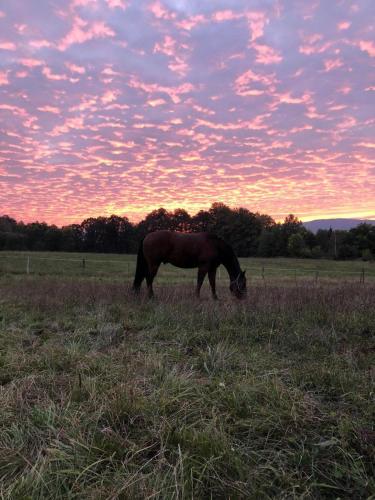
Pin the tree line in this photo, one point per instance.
(250, 233)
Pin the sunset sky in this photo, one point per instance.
(123, 106)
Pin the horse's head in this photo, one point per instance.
(238, 285)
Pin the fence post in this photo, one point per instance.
(263, 273)
(316, 276)
(362, 278)
(28, 265)
(83, 263)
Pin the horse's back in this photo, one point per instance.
(180, 249)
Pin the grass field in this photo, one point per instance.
(122, 267)
(105, 396)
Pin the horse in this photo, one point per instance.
(206, 251)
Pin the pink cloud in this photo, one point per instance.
(242, 84)
(160, 12)
(21, 28)
(22, 74)
(344, 90)
(39, 44)
(109, 72)
(331, 64)
(109, 96)
(112, 4)
(288, 99)
(14, 109)
(47, 72)
(348, 122)
(82, 32)
(167, 46)
(179, 66)
(50, 109)
(225, 15)
(4, 78)
(83, 3)
(75, 123)
(312, 44)
(367, 46)
(156, 102)
(266, 54)
(343, 25)
(74, 68)
(5, 45)
(191, 22)
(255, 124)
(173, 92)
(31, 63)
(257, 21)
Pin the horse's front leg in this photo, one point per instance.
(202, 271)
(212, 280)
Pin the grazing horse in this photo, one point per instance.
(187, 250)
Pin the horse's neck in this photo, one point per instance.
(231, 264)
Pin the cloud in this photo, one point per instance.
(4, 78)
(160, 11)
(74, 68)
(367, 46)
(331, 64)
(248, 83)
(31, 62)
(5, 45)
(83, 31)
(266, 54)
(257, 21)
(49, 109)
(50, 75)
(113, 4)
(343, 25)
(124, 105)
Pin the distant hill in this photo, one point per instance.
(340, 224)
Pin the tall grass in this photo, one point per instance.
(106, 396)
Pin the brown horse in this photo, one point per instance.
(187, 250)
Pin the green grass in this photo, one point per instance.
(106, 396)
(122, 267)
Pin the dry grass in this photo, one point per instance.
(106, 396)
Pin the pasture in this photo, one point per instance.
(106, 396)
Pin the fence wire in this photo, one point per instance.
(91, 267)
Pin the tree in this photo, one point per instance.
(155, 221)
(201, 221)
(296, 245)
(35, 235)
(72, 238)
(180, 220)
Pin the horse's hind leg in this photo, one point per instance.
(153, 269)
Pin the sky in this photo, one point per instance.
(124, 106)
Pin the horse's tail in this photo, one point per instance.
(141, 269)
